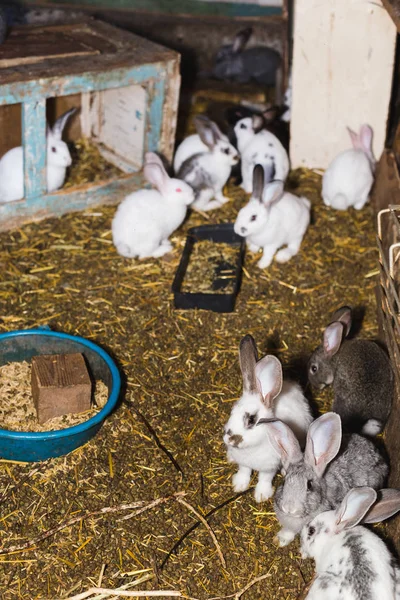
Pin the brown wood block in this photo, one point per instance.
(60, 385)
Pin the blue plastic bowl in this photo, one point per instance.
(17, 346)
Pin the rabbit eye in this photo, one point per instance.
(178, 190)
(53, 149)
(226, 150)
(243, 126)
(311, 530)
(253, 217)
(251, 420)
(309, 485)
(313, 368)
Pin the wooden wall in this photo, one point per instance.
(343, 58)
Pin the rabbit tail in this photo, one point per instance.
(372, 427)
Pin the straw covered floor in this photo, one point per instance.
(111, 514)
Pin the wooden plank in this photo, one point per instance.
(386, 191)
(338, 82)
(10, 127)
(391, 434)
(393, 8)
(129, 51)
(34, 147)
(15, 214)
(191, 7)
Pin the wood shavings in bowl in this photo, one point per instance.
(211, 268)
(17, 409)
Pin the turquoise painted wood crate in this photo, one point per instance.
(126, 87)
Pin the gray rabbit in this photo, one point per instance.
(361, 375)
(319, 479)
(233, 62)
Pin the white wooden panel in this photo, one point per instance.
(122, 125)
(342, 75)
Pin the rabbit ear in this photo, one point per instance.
(272, 191)
(258, 183)
(283, 441)
(208, 131)
(152, 157)
(343, 315)
(332, 339)
(269, 379)
(387, 506)
(354, 506)
(354, 139)
(324, 437)
(241, 39)
(156, 175)
(257, 122)
(365, 138)
(270, 114)
(59, 125)
(248, 356)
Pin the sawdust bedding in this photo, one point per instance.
(181, 377)
(17, 409)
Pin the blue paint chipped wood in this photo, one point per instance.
(34, 147)
(115, 60)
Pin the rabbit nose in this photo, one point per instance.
(243, 230)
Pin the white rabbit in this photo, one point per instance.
(349, 178)
(145, 219)
(265, 395)
(273, 218)
(262, 148)
(58, 159)
(352, 562)
(207, 172)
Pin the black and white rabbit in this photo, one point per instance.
(206, 170)
(265, 395)
(319, 478)
(250, 118)
(352, 562)
(235, 63)
(360, 373)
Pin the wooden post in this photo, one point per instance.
(35, 147)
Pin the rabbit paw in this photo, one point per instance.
(264, 262)
(263, 491)
(162, 249)
(246, 187)
(240, 481)
(284, 537)
(283, 255)
(222, 199)
(253, 247)
(359, 205)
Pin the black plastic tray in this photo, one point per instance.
(216, 302)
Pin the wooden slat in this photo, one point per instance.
(110, 48)
(393, 8)
(387, 191)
